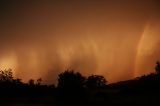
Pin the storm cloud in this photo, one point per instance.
(115, 38)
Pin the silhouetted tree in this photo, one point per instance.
(71, 87)
(31, 82)
(6, 75)
(17, 81)
(95, 81)
(157, 68)
(39, 81)
(70, 79)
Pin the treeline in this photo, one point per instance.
(68, 77)
(75, 89)
(72, 88)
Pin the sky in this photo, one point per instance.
(118, 39)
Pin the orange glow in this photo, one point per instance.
(146, 49)
(40, 40)
(7, 62)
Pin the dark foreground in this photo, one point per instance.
(144, 91)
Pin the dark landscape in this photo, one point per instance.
(77, 90)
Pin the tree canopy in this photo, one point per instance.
(70, 79)
(6, 75)
(95, 81)
(157, 68)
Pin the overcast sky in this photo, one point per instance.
(119, 39)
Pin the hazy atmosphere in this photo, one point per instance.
(119, 39)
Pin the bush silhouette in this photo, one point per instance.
(71, 87)
(18, 81)
(31, 82)
(70, 79)
(157, 68)
(6, 75)
(95, 81)
(39, 81)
